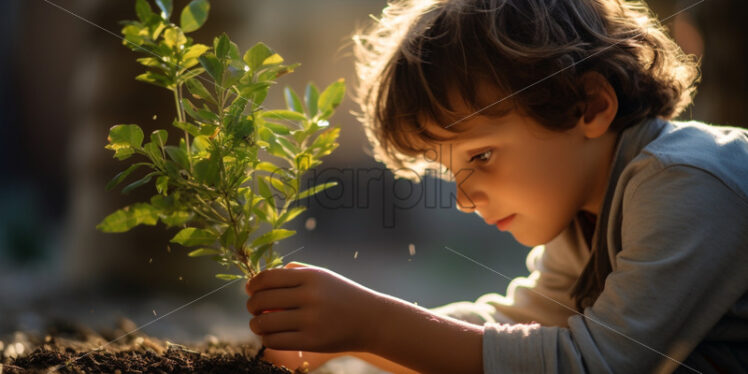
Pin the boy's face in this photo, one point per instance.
(512, 166)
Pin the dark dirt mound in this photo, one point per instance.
(74, 349)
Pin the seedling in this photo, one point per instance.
(210, 181)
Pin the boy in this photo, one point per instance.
(553, 117)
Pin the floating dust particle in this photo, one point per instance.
(412, 249)
(168, 248)
(154, 312)
(212, 339)
(300, 354)
(355, 255)
(150, 260)
(10, 352)
(180, 277)
(155, 116)
(310, 223)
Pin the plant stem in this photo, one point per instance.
(181, 118)
(211, 209)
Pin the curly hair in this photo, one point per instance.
(534, 51)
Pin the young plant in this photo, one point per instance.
(210, 181)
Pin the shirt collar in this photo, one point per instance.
(631, 141)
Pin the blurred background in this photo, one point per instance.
(66, 78)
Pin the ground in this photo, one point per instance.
(72, 348)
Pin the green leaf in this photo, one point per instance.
(281, 186)
(267, 166)
(234, 54)
(128, 217)
(201, 143)
(258, 252)
(139, 182)
(186, 126)
(174, 38)
(194, 15)
(242, 128)
(207, 171)
(311, 97)
(162, 184)
(159, 137)
(273, 59)
(194, 51)
(155, 79)
(325, 142)
(145, 214)
(192, 236)
(204, 252)
(190, 73)
(332, 96)
(264, 189)
(285, 115)
(119, 221)
(123, 174)
(221, 46)
(177, 218)
(228, 277)
(122, 153)
(208, 130)
(198, 90)
(158, 28)
(257, 54)
(166, 8)
(228, 238)
(212, 65)
(178, 155)
(292, 100)
(154, 153)
(143, 10)
(316, 189)
(289, 215)
(133, 37)
(149, 61)
(265, 210)
(277, 129)
(293, 148)
(276, 262)
(272, 236)
(129, 135)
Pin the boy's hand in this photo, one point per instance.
(309, 308)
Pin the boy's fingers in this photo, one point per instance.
(274, 278)
(280, 321)
(276, 299)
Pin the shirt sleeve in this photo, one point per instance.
(541, 297)
(680, 268)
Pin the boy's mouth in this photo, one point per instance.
(504, 223)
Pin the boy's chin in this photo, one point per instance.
(527, 243)
(531, 239)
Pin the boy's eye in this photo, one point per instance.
(484, 156)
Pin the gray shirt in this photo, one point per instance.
(675, 225)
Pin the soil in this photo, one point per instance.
(67, 348)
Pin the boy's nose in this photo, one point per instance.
(469, 202)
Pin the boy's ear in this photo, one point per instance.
(601, 106)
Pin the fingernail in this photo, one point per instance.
(300, 263)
